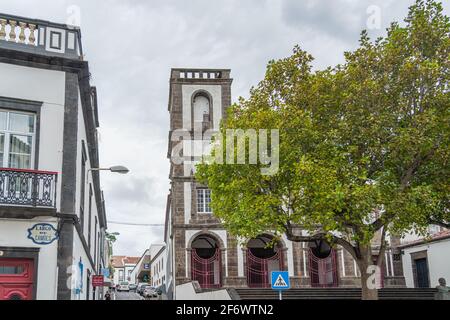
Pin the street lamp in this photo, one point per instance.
(114, 169)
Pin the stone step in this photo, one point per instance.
(336, 293)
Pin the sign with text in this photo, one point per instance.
(98, 281)
(43, 234)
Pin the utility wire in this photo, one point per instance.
(136, 224)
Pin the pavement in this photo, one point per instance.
(126, 296)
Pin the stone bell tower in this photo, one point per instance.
(202, 248)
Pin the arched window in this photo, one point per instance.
(201, 113)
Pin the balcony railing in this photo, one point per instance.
(38, 36)
(28, 188)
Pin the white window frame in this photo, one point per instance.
(7, 133)
(202, 205)
(121, 275)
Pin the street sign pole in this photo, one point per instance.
(280, 282)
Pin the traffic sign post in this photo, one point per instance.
(97, 281)
(280, 282)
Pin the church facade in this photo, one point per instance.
(198, 246)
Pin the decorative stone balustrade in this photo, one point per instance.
(38, 36)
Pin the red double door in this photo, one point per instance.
(16, 279)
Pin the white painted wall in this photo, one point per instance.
(79, 253)
(198, 147)
(135, 271)
(83, 137)
(438, 261)
(290, 256)
(158, 268)
(116, 275)
(48, 86)
(14, 233)
(187, 202)
(45, 86)
(187, 292)
(216, 93)
(127, 268)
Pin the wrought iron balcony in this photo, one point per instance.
(28, 188)
(38, 36)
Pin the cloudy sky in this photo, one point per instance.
(132, 44)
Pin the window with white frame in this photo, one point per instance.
(17, 139)
(204, 201)
(121, 275)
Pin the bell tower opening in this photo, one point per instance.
(202, 111)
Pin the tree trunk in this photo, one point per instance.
(368, 276)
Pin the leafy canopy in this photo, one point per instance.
(363, 145)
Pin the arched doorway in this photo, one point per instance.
(262, 260)
(206, 262)
(322, 265)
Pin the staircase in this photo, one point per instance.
(332, 294)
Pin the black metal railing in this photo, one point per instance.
(28, 188)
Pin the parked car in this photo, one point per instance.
(141, 287)
(124, 286)
(150, 292)
(162, 292)
(133, 287)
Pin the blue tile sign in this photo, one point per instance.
(280, 280)
(105, 272)
(42, 233)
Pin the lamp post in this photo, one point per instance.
(113, 169)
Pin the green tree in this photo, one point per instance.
(363, 145)
(111, 237)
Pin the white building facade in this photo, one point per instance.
(141, 272)
(425, 261)
(123, 267)
(52, 217)
(158, 265)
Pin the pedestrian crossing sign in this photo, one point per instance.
(280, 280)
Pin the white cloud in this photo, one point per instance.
(131, 46)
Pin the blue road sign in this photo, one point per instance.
(105, 272)
(280, 280)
